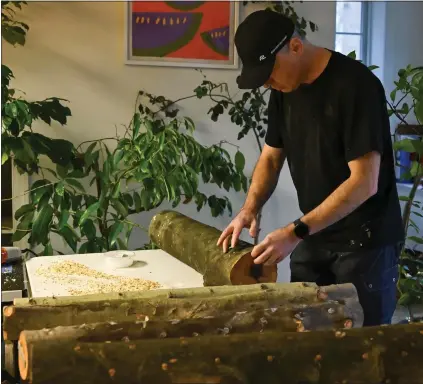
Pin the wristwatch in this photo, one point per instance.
(301, 229)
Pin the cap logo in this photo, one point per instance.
(262, 57)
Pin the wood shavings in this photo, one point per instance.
(84, 280)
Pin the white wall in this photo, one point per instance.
(396, 42)
(75, 50)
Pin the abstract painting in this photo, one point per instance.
(182, 33)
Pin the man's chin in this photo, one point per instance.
(285, 89)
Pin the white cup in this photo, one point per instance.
(119, 259)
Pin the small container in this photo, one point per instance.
(119, 259)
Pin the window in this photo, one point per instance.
(351, 28)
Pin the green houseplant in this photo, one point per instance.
(406, 99)
(156, 160)
(88, 195)
(18, 114)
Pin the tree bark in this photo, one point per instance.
(370, 355)
(194, 244)
(316, 307)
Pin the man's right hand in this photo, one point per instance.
(244, 219)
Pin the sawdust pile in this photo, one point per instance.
(85, 281)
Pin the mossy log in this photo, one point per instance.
(319, 307)
(194, 244)
(370, 355)
(292, 292)
(315, 317)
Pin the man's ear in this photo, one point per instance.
(296, 46)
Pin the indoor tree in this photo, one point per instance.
(156, 160)
(406, 100)
(89, 193)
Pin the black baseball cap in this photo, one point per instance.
(258, 39)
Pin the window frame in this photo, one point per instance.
(364, 32)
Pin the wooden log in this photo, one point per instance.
(318, 306)
(194, 244)
(182, 293)
(292, 292)
(370, 355)
(9, 359)
(316, 317)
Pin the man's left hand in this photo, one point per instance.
(276, 246)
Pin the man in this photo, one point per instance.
(328, 118)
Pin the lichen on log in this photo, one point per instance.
(370, 355)
(319, 307)
(194, 244)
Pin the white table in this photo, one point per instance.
(155, 265)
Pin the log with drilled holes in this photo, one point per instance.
(317, 307)
(194, 244)
(370, 355)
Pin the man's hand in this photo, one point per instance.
(244, 219)
(276, 246)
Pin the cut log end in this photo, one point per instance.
(246, 272)
(24, 358)
(9, 311)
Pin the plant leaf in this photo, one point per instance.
(115, 230)
(64, 217)
(88, 229)
(91, 210)
(24, 210)
(120, 208)
(48, 250)
(416, 239)
(239, 161)
(76, 184)
(42, 223)
(69, 236)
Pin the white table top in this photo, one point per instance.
(155, 265)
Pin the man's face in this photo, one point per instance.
(287, 72)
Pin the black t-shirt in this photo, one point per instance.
(322, 126)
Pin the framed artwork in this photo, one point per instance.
(196, 34)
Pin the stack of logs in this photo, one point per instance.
(255, 334)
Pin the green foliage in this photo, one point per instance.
(410, 284)
(157, 160)
(287, 9)
(88, 195)
(14, 32)
(405, 99)
(248, 112)
(353, 55)
(409, 85)
(18, 114)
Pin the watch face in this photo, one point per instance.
(301, 230)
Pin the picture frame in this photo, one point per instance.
(190, 36)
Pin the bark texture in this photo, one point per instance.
(194, 244)
(371, 355)
(316, 307)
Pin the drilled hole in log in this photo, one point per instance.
(246, 272)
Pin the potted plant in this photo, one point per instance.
(406, 99)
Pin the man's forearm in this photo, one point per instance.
(344, 200)
(264, 181)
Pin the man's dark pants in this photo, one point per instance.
(373, 272)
